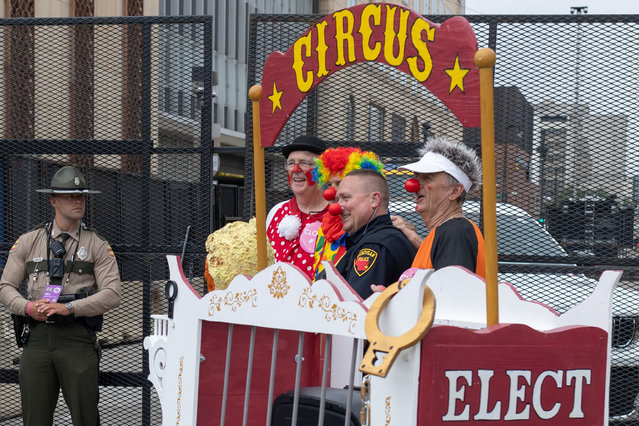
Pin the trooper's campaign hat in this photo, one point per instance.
(68, 180)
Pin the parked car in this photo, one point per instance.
(520, 234)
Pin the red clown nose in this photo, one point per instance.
(329, 194)
(335, 209)
(411, 185)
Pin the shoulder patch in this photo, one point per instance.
(14, 246)
(110, 250)
(364, 261)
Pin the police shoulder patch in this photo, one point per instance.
(15, 245)
(110, 250)
(364, 261)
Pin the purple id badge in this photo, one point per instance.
(52, 292)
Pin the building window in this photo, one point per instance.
(414, 130)
(398, 126)
(238, 25)
(554, 119)
(167, 99)
(19, 73)
(246, 26)
(350, 119)
(82, 77)
(180, 102)
(375, 123)
(216, 23)
(227, 34)
(194, 107)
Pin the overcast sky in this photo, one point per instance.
(599, 98)
(550, 7)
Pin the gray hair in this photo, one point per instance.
(459, 154)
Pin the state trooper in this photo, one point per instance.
(73, 279)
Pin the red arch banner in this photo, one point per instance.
(439, 56)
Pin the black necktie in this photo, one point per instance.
(62, 238)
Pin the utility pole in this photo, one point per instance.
(577, 10)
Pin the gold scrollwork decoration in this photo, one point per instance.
(179, 396)
(332, 312)
(233, 300)
(278, 286)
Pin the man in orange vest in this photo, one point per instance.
(446, 172)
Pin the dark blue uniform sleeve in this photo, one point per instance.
(455, 245)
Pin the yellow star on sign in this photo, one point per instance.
(457, 75)
(275, 98)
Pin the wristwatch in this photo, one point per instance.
(69, 306)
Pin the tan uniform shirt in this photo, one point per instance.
(32, 247)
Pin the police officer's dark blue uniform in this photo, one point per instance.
(376, 254)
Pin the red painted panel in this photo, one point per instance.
(522, 363)
(211, 382)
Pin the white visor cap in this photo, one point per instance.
(432, 163)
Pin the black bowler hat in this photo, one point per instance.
(305, 143)
(68, 180)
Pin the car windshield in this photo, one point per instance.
(522, 236)
(518, 233)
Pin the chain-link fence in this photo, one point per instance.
(127, 100)
(566, 153)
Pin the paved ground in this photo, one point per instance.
(118, 405)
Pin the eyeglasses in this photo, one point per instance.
(304, 165)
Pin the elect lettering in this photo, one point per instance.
(522, 386)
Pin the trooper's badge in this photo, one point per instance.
(364, 261)
(83, 253)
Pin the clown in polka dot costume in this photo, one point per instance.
(291, 226)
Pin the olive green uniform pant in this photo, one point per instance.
(59, 356)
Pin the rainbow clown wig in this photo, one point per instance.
(343, 160)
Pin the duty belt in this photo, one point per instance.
(79, 266)
(56, 319)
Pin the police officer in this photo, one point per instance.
(376, 252)
(73, 279)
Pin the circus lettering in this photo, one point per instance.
(375, 37)
(440, 57)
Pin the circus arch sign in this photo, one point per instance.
(438, 56)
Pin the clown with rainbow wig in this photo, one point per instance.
(330, 169)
